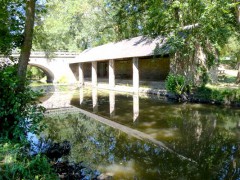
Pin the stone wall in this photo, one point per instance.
(149, 69)
(154, 69)
(123, 69)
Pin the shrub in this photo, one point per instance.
(16, 164)
(223, 96)
(19, 112)
(177, 84)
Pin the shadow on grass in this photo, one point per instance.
(227, 79)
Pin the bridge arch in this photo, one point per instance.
(47, 71)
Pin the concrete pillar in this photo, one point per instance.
(111, 74)
(94, 74)
(135, 75)
(81, 75)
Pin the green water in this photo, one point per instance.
(205, 134)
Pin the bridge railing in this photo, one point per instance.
(58, 54)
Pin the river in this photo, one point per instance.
(148, 137)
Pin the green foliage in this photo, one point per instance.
(223, 96)
(177, 84)
(11, 20)
(16, 164)
(191, 27)
(63, 79)
(35, 73)
(80, 25)
(232, 48)
(19, 112)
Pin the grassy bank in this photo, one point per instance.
(218, 94)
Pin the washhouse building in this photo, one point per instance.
(136, 60)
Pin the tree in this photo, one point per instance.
(11, 20)
(232, 49)
(79, 25)
(27, 42)
(195, 29)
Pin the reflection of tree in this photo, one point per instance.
(98, 144)
(209, 140)
(206, 137)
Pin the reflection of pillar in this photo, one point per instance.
(135, 75)
(81, 96)
(95, 100)
(94, 74)
(112, 103)
(135, 107)
(111, 74)
(81, 75)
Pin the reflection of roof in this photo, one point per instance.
(135, 47)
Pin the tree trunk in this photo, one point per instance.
(27, 43)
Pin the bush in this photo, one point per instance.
(177, 84)
(19, 112)
(223, 96)
(16, 164)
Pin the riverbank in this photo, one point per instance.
(227, 94)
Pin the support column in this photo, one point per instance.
(94, 74)
(111, 74)
(81, 75)
(135, 75)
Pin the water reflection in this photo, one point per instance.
(95, 100)
(214, 149)
(135, 107)
(155, 116)
(81, 96)
(112, 103)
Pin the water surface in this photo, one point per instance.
(207, 135)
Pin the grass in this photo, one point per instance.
(216, 93)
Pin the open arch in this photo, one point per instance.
(48, 72)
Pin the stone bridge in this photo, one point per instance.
(55, 67)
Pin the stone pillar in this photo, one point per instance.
(111, 74)
(81, 75)
(94, 74)
(135, 75)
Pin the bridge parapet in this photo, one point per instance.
(40, 54)
(56, 67)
